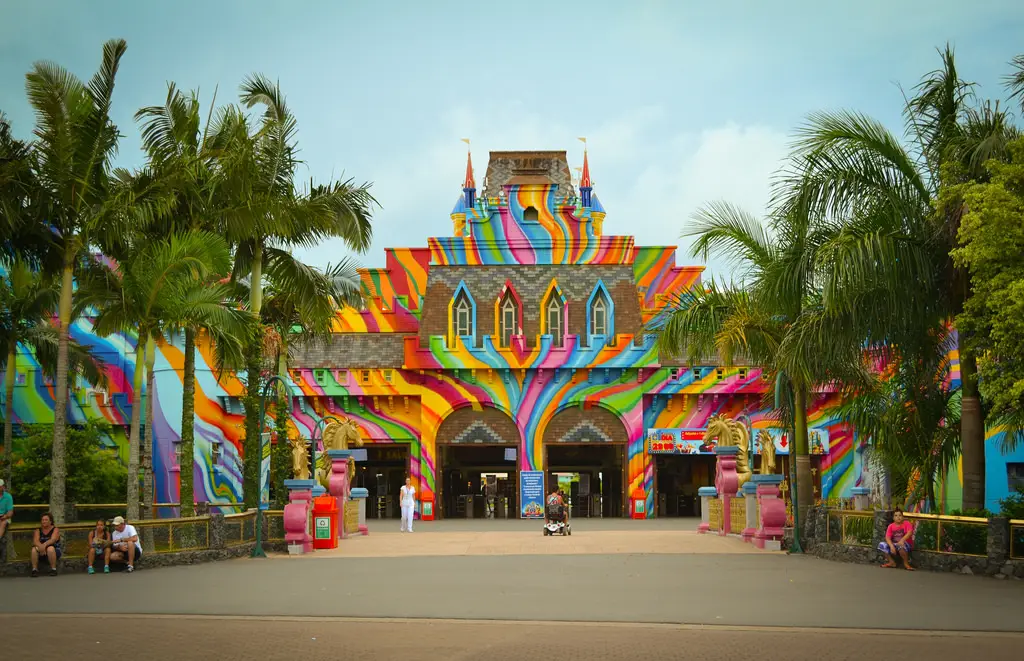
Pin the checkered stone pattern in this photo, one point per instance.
(584, 432)
(478, 432)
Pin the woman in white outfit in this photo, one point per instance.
(408, 501)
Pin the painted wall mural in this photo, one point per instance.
(530, 382)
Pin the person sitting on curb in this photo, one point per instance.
(126, 547)
(6, 509)
(46, 543)
(899, 539)
(99, 542)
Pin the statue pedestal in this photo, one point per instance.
(297, 515)
(749, 492)
(706, 494)
(861, 498)
(772, 513)
(338, 484)
(726, 482)
(360, 496)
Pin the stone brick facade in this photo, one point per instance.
(488, 425)
(593, 425)
(352, 350)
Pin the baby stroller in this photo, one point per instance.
(556, 519)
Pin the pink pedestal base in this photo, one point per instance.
(773, 518)
(296, 519)
(338, 486)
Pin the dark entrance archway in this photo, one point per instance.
(586, 449)
(478, 464)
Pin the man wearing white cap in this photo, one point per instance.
(6, 508)
(126, 547)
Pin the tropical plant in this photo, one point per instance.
(75, 142)
(96, 473)
(160, 285)
(910, 414)
(991, 237)
(28, 300)
(888, 268)
(763, 319)
(265, 215)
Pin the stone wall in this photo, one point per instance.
(995, 563)
(352, 351)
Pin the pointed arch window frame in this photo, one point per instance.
(461, 293)
(508, 293)
(554, 296)
(600, 290)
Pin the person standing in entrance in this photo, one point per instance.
(408, 501)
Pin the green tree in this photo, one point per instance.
(266, 215)
(160, 285)
(991, 236)
(911, 414)
(75, 142)
(888, 268)
(763, 320)
(28, 299)
(94, 475)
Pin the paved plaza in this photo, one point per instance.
(501, 590)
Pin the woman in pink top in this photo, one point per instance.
(899, 539)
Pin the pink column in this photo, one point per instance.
(726, 482)
(772, 519)
(296, 516)
(338, 483)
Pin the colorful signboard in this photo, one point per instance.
(691, 441)
(531, 494)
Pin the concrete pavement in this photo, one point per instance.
(227, 639)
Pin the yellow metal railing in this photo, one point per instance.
(275, 525)
(1017, 538)
(851, 527)
(239, 528)
(955, 535)
(90, 512)
(715, 514)
(168, 536)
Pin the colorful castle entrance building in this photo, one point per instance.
(516, 345)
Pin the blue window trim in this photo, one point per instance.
(462, 288)
(611, 310)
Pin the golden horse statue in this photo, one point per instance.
(300, 460)
(338, 435)
(731, 432)
(766, 446)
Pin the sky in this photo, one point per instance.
(682, 103)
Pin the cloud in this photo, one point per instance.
(650, 174)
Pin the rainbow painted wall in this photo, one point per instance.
(530, 382)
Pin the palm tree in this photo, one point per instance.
(302, 309)
(179, 156)
(75, 141)
(160, 285)
(911, 414)
(28, 300)
(762, 319)
(267, 214)
(889, 268)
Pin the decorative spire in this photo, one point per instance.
(469, 186)
(585, 185)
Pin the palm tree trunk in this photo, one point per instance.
(12, 356)
(186, 491)
(149, 445)
(58, 462)
(281, 459)
(972, 432)
(253, 383)
(801, 448)
(133, 433)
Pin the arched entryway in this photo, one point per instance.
(586, 449)
(478, 464)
